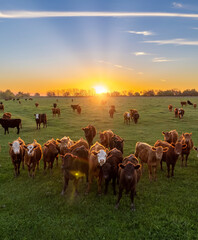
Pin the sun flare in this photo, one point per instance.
(100, 89)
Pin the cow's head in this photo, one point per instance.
(30, 149)
(101, 156)
(67, 161)
(186, 137)
(167, 136)
(129, 169)
(15, 146)
(36, 115)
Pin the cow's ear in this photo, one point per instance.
(165, 149)
(34, 114)
(10, 144)
(58, 140)
(163, 132)
(21, 143)
(173, 145)
(184, 146)
(25, 146)
(121, 166)
(153, 149)
(195, 148)
(137, 166)
(83, 129)
(190, 134)
(94, 152)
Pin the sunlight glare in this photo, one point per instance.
(100, 89)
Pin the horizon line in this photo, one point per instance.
(51, 14)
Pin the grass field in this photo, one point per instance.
(34, 208)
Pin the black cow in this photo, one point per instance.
(40, 118)
(189, 102)
(10, 123)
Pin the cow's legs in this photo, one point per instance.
(186, 159)
(182, 160)
(168, 169)
(66, 181)
(119, 197)
(173, 167)
(132, 199)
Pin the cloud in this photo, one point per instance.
(195, 28)
(141, 53)
(162, 59)
(177, 5)
(47, 14)
(174, 42)
(145, 33)
(115, 65)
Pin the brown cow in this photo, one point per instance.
(79, 143)
(56, 111)
(110, 168)
(186, 139)
(128, 181)
(22, 143)
(63, 144)
(194, 105)
(33, 155)
(181, 112)
(7, 115)
(54, 105)
(36, 104)
(170, 107)
(116, 142)
(176, 112)
(183, 103)
(127, 117)
(134, 115)
(105, 138)
(50, 152)
(150, 155)
(79, 109)
(1, 107)
(90, 133)
(171, 156)
(171, 136)
(112, 110)
(40, 118)
(16, 154)
(74, 107)
(97, 158)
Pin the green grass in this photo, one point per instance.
(34, 209)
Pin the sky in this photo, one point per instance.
(119, 44)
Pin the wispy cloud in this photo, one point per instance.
(195, 28)
(47, 14)
(177, 5)
(174, 42)
(162, 59)
(141, 53)
(145, 33)
(115, 65)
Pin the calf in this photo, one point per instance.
(90, 133)
(112, 111)
(181, 113)
(127, 117)
(74, 107)
(128, 181)
(183, 103)
(7, 115)
(40, 118)
(105, 138)
(186, 139)
(170, 107)
(16, 154)
(171, 136)
(10, 123)
(194, 105)
(56, 111)
(116, 142)
(54, 105)
(79, 109)
(171, 156)
(97, 158)
(75, 166)
(63, 144)
(176, 112)
(134, 115)
(36, 104)
(33, 155)
(110, 168)
(150, 155)
(50, 152)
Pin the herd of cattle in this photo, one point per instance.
(103, 160)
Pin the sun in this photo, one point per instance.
(100, 89)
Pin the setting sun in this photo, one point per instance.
(100, 89)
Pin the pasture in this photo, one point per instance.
(34, 209)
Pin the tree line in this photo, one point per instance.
(75, 92)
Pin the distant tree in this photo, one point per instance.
(115, 94)
(51, 94)
(7, 94)
(189, 92)
(37, 94)
(149, 93)
(136, 94)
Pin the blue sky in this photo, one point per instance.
(127, 52)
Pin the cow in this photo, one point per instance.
(54, 105)
(56, 111)
(79, 109)
(19, 102)
(126, 116)
(134, 115)
(1, 107)
(90, 133)
(183, 103)
(171, 136)
(36, 104)
(189, 102)
(116, 142)
(7, 115)
(170, 107)
(80, 142)
(40, 118)
(150, 155)
(50, 152)
(112, 110)
(127, 180)
(22, 143)
(30, 99)
(186, 139)
(176, 112)
(98, 155)
(110, 168)
(63, 144)
(194, 105)
(75, 166)
(33, 155)
(105, 138)
(10, 123)
(181, 112)
(171, 156)
(16, 154)
(74, 107)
